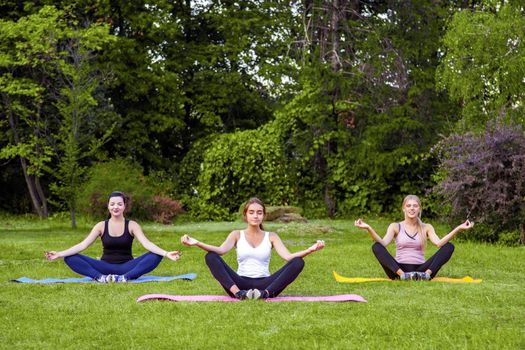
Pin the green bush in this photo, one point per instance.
(236, 167)
(145, 200)
(510, 238)
(480, 232)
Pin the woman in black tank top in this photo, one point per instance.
(117, 263)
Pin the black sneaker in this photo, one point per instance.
(242, 294)
(265, 294)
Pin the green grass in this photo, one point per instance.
(399, 315)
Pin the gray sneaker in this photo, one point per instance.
(423, 276)
(410, 276)
(253, 294)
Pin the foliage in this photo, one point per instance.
(484, 177)
(164, 209)
(27, 68)
(339, 96)
(12, 201)
(120, 175)
(483, 66)
(364, 121)
(186, 173)
(238, 166)
(49, 88)
(186, 70)
(511, 238)
(81, 134)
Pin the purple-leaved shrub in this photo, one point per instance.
(483, 178)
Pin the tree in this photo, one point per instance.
(483, 67)
(367, 107)
(29, 50)
(80, 134)
(48, 88)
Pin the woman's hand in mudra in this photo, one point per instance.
(188, 241)
(361, 224)
(174, 255)
(317, 246)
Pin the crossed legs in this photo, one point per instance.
(232, 282)
(84, 265)
(391, 266)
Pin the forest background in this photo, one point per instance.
(338, 107)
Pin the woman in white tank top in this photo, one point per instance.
(411, 239)
(254, 248)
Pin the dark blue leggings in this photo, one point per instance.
(390, 265)
(274, 284)
(94, 268)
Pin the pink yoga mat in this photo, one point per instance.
(197, 298)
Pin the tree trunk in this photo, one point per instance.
(334, 34)
(38, 197)
(35, 191)
(73, 218)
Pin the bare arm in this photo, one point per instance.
(136, 230)
(284, 253)
(225, 247)
(390, 232)
(91, 237)
(431, 233)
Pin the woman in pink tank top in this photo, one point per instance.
(411, 237)
(253, 280)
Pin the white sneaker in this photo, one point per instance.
(253, 294)
(121, 279)
(102, 279)
(111, 278)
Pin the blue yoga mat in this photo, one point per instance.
(141, 279)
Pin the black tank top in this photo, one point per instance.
(117, 249)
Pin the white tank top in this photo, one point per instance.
(254, 262)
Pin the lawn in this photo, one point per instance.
(398, 315)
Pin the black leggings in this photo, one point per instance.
(274, 284)
(390, 265)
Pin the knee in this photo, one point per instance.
(448, 247)
(155, 257)
(376, 247)
(297, 263)
(210, 257)
(69, 259)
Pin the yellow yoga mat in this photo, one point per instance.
(339, 278)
